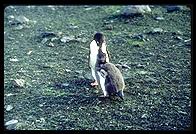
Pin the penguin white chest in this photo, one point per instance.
(93, 53)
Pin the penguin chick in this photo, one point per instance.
(97, 44)
(111, 80)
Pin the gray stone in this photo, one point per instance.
(136, 9)
(159, 18)
(50, 44)
(22, 19)
(173, 8)
(66, 39)
(9, 107)
(157, 30)
(11, 122)
(19, 83)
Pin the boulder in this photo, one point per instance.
(136, 10)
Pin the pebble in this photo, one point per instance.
(19, 83)
(14, 60)
(19, 27)
(159, 18)
(44, 40)
(29, 52)
(22, 19)
(65, 84)
(47, 34)
(11, 122)
(67, 70)
(50, 44)
(108, 27)
(126, 66)
(185, 41)
(142, 72)
(157, 30)
(78, 72)
(10, 94)
(144, 116)
(9, 107)
(179, 38)
(67, 39)
(10, 17)
(88, 8)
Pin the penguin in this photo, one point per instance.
(111, 80)
(97, 44)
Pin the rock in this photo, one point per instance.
(66, 39)
(14, 60)
(19, 83)
(88, 76)
(73, 27)
(119, 66)
(67, 70)
(44, 40)
(10, 17)
(135, 10)
(47, 34)
(9, 107)
(11, 122)
(182, 112)
(189, 40)
(88, 8)
(173, 8)
(108, 27)
(83, 40)
(19, 27)
(29, 52)
(65, 84)
(179, 38)
(50, 44)
(142, 72)
(126, 66)
(157, 30)
(62, 85)
(159, 18)
(137, 36)
(78, 71)
(10, 94)
(144, 116)
(22, 19)
(140, 66)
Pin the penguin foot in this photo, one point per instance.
(94, 84)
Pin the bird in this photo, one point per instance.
(111, 80)
(98, 43)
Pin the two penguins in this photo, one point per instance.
(105, 74)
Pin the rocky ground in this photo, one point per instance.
(46, 74)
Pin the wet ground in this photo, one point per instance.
(49, 52)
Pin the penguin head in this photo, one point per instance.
(99, 38)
